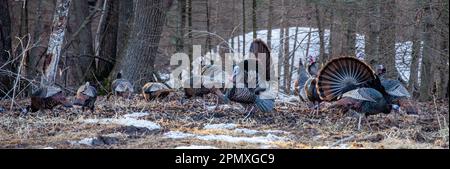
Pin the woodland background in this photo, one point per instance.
(105, 36)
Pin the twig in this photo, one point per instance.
(24, 51)
(344, 140)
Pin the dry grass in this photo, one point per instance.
(329, 129)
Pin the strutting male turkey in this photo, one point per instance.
(122, 87)
(86, 96)
(155, 90)
(354, 86)
(397, 92)
(48, 97)
(248, 84)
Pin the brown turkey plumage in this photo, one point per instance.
(48, 97)
(155, 90)
(86, 96)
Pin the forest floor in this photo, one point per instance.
(166, 124)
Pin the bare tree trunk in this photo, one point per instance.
(181, 25)
(319, 20)
(280, 49)
(287, 76)
(191, 39)
(336, 32)
(244, 31)
(108, 45)
(137, 64)
(349, 19)
(387, 38)
(371, 38)
(125, 20)
(442, 89)
(53, 53)
(426, 73)
(254, 21)
(208, 27)
(269, 24)
(5, 45)
(415, 55)
(79, 60)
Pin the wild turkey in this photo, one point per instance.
(155, 90)
(300, 83)
(307, 88)
(196, 87)
(86, 96)
(122, 87)
(354, 85)
(47, 98)
(246, 88)
(398, 93)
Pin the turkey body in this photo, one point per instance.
(155, 90)
(354, 86)
(366, 101)
(86, 96)
(399, 95)
(247, 87)
(48, 98)
(122, 87)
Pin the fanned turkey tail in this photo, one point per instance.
(344, 74)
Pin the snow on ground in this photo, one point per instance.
(136, 115)
(228, 126)
(85, 141)
(267, 137)
(232, 139)
(127, 120)
(195, 147)
(177, 135)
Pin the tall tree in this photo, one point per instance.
(125, 21)
(80, 51)
(371, 38)
(254, 21)
(137, 64)
(349, 23)
(387, 38)
(244, 31)
(319, 20)
(270, 24)
(181, 26)
(5, 45)
(108, 43)
(285, 25)
(415, 53)
(426, 73)
(53, 54)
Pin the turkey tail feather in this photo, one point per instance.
(341, 75)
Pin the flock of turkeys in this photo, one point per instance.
(349, 83)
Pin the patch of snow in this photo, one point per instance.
(276, 131)
(228, 126)
(341, 146)
(266, 146)
(126, 122)
(255, 140)
(85, 141)
(196, 147)
(48, 148)
(177, 135)
(246, 131)
(136, 115)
